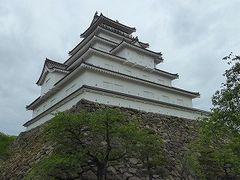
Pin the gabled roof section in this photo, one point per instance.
(50, 65)
(53, 64)
(124, 43)
(142, 44)
(87, 40)
(101, 19)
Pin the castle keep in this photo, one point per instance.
(110, 66)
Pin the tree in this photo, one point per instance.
(90, 142)
(5, 141)
(218, 141)
(61, 166)
(149, 150)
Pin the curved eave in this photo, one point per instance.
(29, 107)
(89, 51)
(84, 47)
(144, 45)
(102, 19)
(123, 95)
(50, 66)
(171, 75)
(40, 99)
(95, 32)
(88, 38)
(125, 61)
(42, 76)
(156, 55)
(45, 71)
(90, 41)
(79, 46)
(178, 90)
(87, 65)
(83, 42)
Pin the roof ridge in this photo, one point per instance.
(174, 74)
(116, 21)
(157, 53)
(52, 61)
(100, 19)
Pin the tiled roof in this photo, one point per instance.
(50, 64)
(193, 94)
(84, 42)
(142, 44)
(53, 64)
(101, 19)
(124, 43)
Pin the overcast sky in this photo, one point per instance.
(193, 36)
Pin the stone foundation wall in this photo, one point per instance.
(31, 146)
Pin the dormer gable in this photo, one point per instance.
(51, 73)
(51, 66)
(137, 54)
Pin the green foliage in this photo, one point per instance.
(218, 141)
(57, 166)
(148, 148)
(92, 132)
(92, 140)
(201, 160)
(5, 141)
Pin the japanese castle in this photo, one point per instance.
(110, 66)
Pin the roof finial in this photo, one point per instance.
(96, 14)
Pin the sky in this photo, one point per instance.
(193, 36)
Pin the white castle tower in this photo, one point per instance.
(110, 66)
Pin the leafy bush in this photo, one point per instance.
(5, 141)
(218, 142)
(91, 141)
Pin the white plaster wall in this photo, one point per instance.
(139, 105)
(50, 79)
(107, 81)
(105, 98)
(117, 65)
(66, 105)
(70, 87)
(137, 57)
(48, 83)
(97, 44)
(132, 87)
(102, 46)
(106, 35)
